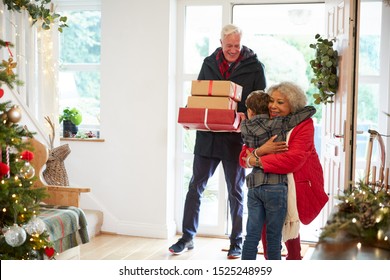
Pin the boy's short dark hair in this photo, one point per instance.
(258, 101)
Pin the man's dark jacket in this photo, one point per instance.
(249, 73)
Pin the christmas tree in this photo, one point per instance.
(23, 234)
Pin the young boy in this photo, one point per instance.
(259, 128)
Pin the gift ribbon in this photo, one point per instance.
(234, 91)
(206, 111)
(210, 91)
(232, 105)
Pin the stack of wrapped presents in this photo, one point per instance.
(212, 106)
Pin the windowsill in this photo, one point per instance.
(73, 139)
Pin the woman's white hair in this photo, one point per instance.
(294, 94)
(230, 29)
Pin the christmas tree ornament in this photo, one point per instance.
(49, 251)
(35, 226)
(1, 92)
(34, 255)
(27, 155)
(27, 171)
(14, 114)
(3, 117)
(4, 169)
(9, 66)
(15, 236)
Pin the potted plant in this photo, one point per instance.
(70, 118)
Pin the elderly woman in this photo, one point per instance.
(267, 183)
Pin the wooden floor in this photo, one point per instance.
(120, 247)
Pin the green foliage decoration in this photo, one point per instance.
(324, 66)
(363, 215)
(38, 11)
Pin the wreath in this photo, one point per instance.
(324, 66)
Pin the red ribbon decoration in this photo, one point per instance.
(9, 50)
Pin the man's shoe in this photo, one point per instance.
(181, 246)
(234, 251)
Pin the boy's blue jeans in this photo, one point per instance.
(266, 204)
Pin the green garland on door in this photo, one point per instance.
(324, 66)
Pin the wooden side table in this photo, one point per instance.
(348, 251)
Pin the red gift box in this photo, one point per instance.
(209, 119)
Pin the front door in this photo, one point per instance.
(338, 116)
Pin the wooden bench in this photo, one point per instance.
(65, 221)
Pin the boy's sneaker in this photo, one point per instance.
(181, 246)
(234, 251)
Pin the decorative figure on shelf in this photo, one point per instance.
(55, 172)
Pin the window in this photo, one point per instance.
(79, 64)
(373, 77)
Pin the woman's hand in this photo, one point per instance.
(271, 147)
(247, 157)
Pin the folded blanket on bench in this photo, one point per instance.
(66, 226)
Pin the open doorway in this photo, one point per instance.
(280, 34)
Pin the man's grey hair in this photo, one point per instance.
(230, 29)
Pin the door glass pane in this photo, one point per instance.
(209, 202)
(369, 81)
(369, 40)
(187, 135)
(202, 29)
(370, 108)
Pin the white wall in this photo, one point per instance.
(131, 173)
